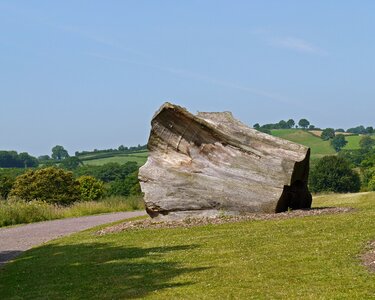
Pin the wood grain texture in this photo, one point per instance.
(211, 163)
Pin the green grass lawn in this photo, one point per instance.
(319, 148)
(140, 158)
(315, 257)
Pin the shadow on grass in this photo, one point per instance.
(95, 270)
(8, 255)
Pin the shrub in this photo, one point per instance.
(371, 184)
(51, 184)
(333, 174)
(6, 184)
(90, 188)
(366, 142)
(368, 176)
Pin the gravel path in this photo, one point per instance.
(15, 240)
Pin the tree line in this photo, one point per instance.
(59, 155)
(305, 124)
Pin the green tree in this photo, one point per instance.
(333, 174)
(28, 160)
(282, 124)
(304, 123)
(338, 142)
(127, 187)
(90, 188)
(290, 123)
(370, 130)
(327, 134)
(366, 143)
(51, 184)
(59, 153)
(71, 163)
(256, 126)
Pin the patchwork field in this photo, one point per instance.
(315, 257)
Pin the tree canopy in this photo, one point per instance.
(327, 134)
(304, 123)
(11, 159)
(59, 153)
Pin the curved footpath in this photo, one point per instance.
(15, 240)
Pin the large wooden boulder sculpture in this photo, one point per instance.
(212, 164)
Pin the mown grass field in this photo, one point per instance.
(315, 257)
(139, 157)
(319, 148)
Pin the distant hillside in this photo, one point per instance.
(99, 159)
(319, 148)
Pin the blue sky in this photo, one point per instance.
(90, 74)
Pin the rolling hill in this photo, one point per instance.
(319, 148)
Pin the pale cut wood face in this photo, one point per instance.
(211, 163)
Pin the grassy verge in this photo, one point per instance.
(302, 258)
(18, 212)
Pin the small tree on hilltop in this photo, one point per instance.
(338, 142)
(304, 123)
(283, 125)
(327, 134)
(59, 153)
(333, 174)
(290, 123)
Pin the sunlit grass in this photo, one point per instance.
(315, 257)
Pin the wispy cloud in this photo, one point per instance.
(293, 43)
(200, 77)
(296, 44)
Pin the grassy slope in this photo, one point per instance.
(353, 142)
(319, 148)
(303, 258)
